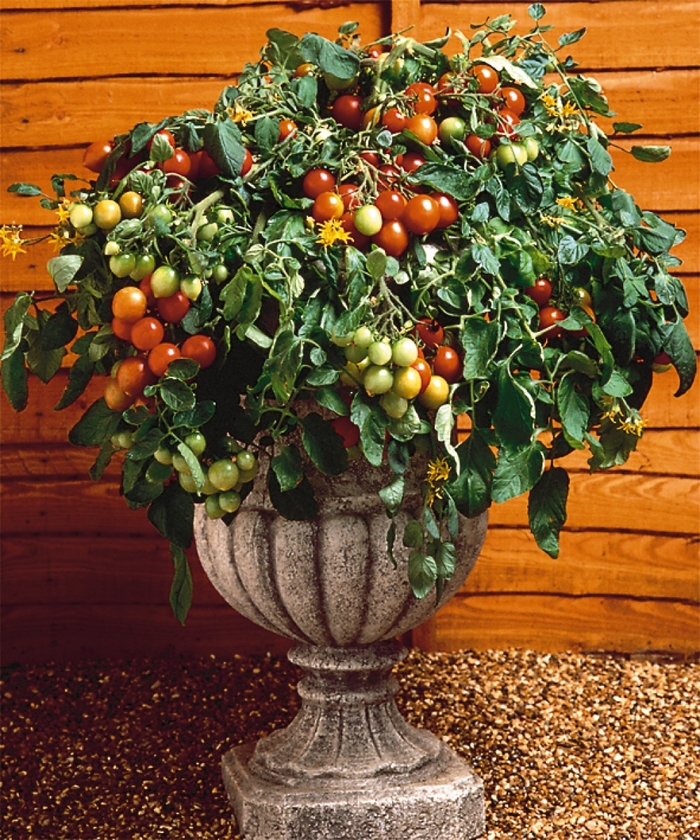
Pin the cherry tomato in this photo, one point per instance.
(145, 286)
(388, 176)
(506, 123)
(115, 398)
(395, 120)
(447, 363)
(346, 111)
(129, 304)
(452, 129)
(305, 69)
(404, 352)
(133, 375)
(106, 214)
(478, 146)
(425, 372)
(449, 209)
(393, 238)
(421, 214)
(160, 357)
(317, 181)
(430, 332)
(359, 240)
(173, 309)
(436, 394)
(424, 127)
(146, 333)
(349, 432)
(195, 159)
(131, 204)
(408, 382)
(165, 134)
(541, 292)
(178, 164)
(582, 297)
(370, 158)
(350, 193)
(513, 100)
(201, 348)
(247, 164)
(121, 328)
(287, 128)
(327, 205)
(549, 317)
(391, 204)
(486, 76)
(422, 97)
(410, 161)
(368, 219)
(96, 154)
(208, 168)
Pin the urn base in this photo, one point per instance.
(443, 801)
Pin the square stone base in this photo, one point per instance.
(444, 803)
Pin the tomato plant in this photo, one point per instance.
(96, 154)
(201, 348)
(548, 320)
(513, 100)
(487, 78)
(317, 181)
(146, 333)
(540, 291)
(133, 375)
(449, 209)
(436, 393)
(395, 120)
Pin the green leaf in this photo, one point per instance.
(650, 154)
(267, 133)
(502, 64)
(330, 57)
(63, 269)
(298, 503)
(447, 179)
(484, 256)
(582, 363)
(614, 448)
(369, 418)
(25, 189)
(177, 395)
(14, 380)
(445, 560)
(59, 330)
(569, 38)
(626, 127)
(392, 495)
(44, 363)
(471, 489)
(79, 374)
(536, 11)
(13, 321)
(517, 472)
(183, 369)
(146, 445)
(233, 293)
(330, 398)
(222, 140)
(571, 252)
(600, 157)
(546, 509)
(181, 588)
(680, 348)
(617, 385)
(323, 445)
(193, 464)
(96, 426)
(574, 409)
(413, 534)
(104, 456)
(172, 513)
(514, 416)
(288, 468)
(422, 572)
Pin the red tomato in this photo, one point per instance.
(541, 292)
(129, 304)
(359, 240)
(121, 328)
(507, 121)
(424, 127)
(96, 154)
(478, 146)
(201, 348)
(145, 286)
(115, 398)
(410, 161)
(247, 164)
(391, 204)
(146, 333)
(317, 181)
(371, 158)
(449, 209)
(328, 205)
(421, 214)
(388, 175)
(207, 166)
(160, 357)
(287, 128)
(349, 432)
(486, 76)
(447, 363)
(549, 316)
(430, 332)
(393, 238)
(178, 164)
(395, 120)
(422, 97)
(513, 100)
(425, 371)
(173, 309)
(195, 158)
(350, 194)
(346, 111)
(133, 375)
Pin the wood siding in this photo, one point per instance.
(84, 576)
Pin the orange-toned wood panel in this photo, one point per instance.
(557, 622)
(67, 44)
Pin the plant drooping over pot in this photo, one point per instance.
(390, 237)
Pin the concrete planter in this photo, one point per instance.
(348, 766)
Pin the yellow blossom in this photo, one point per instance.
(568, 109)
(239, 114)
(553, 221)
(331, 232)
(567, 202)
(63, 211)
(436, 475)
(11, 241)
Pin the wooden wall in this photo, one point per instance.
(84, 576)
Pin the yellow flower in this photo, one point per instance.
(331, 232)
(436, 475)
(63, 211)
(568, 109)
(568, 202)
(239, 114)
(11, 241)
(553, 221)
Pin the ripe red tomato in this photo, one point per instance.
(388, 176)
(422, 97)
(146, 333)
(96, 154)
(541, 292)
(201, 348)
(390, 204)
(425, 371)
(121, 328)
(430, 332)
(549, 317)
(395, 120)
(478, 146)
(421, 214)
(486, 76)
(350, 193)
(349, 432)
(370, 158)
(160, 357)
(145, 286)
(410, 161)
(317, 181)
(172, 309)
(359, 240)
(424, 127)
(178, 164)
(287, 128)
(513, 100)
(507, 121)
(129, 304)
(449, 209)
(195, 158)
(133, 375)
(247, 164)
(447, 364)
(393, 238)
(208, 167)
(346, 111)
(328, 205)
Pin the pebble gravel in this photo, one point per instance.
(570, 747)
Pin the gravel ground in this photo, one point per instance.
(569, 746)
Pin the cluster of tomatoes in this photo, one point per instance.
(398, 371)
(550, 316)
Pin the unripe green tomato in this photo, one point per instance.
(125, 439)
(163, 455)
(368, 219)
(229, 501)
(160, 212)
(122, 265)
(186, 481)
(207, 232)
(191, 286)
(223, 474)
(511, 153)
(80, 216)
(224, 215)
(394, 405)
(196, 442)
(213, 508)
(377, 380)
(89, 230)
(180, 463)
(208, 489)
(336, 83)
(245, 460)
(145, 264)
(451, 129)
(531, 147)
(362, 337)
(404, 352)
(341, 340)
(111, 248)
(165, 281)
(244, 476)
(157, 473)
(379, 352)
(355, 354)
(219, 273)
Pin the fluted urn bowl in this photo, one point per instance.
(348, 765)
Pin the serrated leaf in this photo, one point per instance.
(413, 534)
(600, 157)
(479, 338)
(422, 573)
(514, 415)
(23, 189)
(330, 398)
(392, 495)
(574, 409)
(569, 38)
(680, 348)
(330, 57)
(626, 127)
(471, 489)
(536, 11)
(222, 140)
(13, 321)
(517, 472)
(59, 330)
(79, 375)
(177, 395)
(181, 587)
(546, 509)
(484, 256)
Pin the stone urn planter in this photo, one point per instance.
(348, 766)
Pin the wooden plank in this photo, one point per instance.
(50, 114)
(67, 632)
(612, 29)
(554, 623)
(62, 45)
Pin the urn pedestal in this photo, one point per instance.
(348, 766)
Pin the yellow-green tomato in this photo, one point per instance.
(404, 352)
(196, 442)
(213, 508)
(531, 147)
(207, 232)
(362, 337)
(165, 281)
(107, 214)
(187, 482)
(223, 474)
(377, 380)
(121, 265)
(379, 352)
(368, 219)
(354, 353)
(229, 501)
(80, 216)
(394, 405)
(245, 460)
(163, 455)
(145, 264)
(511, 153)
(191, 286)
